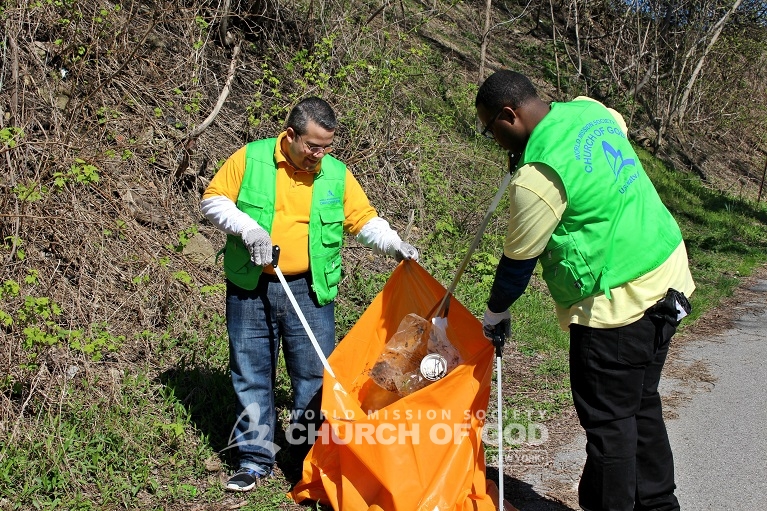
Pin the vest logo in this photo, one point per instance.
(615, 159)
(586, 152)
(330, 198)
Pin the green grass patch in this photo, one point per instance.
(106, 450)
(726, 237)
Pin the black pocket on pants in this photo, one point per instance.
(636, 346)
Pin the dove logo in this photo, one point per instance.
(586, 151)
(255, 434)
(615, 159)
(617, 163)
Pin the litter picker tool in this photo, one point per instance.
(443, 307)
(499, 339)
(275, 259)
(499, 334)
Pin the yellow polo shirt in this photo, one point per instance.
(290, 228)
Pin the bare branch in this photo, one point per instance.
(192, 137)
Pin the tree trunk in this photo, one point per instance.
(556, 54)
(716, 30)
(224, 25)
(485, 38)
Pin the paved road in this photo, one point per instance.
(719, 438)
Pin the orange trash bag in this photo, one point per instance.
(422, 451)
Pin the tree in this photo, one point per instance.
(712, 37)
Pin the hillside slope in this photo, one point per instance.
(113, 348)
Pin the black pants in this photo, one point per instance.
(614, 376)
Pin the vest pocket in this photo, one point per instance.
(236, 258)
(333, 271)
(566, 283)
(332, 227)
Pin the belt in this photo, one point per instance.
(269, 277)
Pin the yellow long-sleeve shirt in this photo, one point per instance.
(290, 228)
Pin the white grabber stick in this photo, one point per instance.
(275, 259)
(499, 339)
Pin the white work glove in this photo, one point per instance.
(223, 214)
(378, 235)
(259, 244)
(406, 251)
(493, 319)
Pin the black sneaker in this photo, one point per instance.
(245, 479)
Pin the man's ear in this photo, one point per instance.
(510, 115)
(290, 133)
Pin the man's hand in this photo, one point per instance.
(406, 251)
(492, 319)
(259, 244)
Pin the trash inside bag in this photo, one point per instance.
(418, 354)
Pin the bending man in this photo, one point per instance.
(615, 264)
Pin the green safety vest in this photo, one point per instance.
(615, 227)
(326, 219)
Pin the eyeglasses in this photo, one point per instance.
(488, 131)
(316, 149)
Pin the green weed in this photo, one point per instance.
(11, 136)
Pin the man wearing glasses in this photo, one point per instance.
(615, 264)
(286, 191)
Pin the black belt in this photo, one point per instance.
(270, 277)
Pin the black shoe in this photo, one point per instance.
(245, 479)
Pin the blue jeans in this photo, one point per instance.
(257, 321)
(614, 376)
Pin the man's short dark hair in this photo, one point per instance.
(312, 109)
(505, 88)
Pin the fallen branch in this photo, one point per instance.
(14, 122)
(192, 137)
